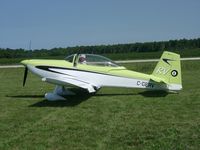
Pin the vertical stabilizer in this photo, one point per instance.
(169, 70)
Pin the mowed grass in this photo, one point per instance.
(111, 119)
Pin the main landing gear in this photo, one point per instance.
(58, 94)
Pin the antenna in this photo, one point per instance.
(30, 45)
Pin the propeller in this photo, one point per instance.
(25, 75)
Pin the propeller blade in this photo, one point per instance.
(25, 75)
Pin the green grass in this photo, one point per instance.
(115, 56)
(111, 119)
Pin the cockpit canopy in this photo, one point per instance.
(91, 59)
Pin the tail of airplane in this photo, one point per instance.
(168, 70)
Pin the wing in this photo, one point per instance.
(73, 81)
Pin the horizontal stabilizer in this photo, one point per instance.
(157, 79)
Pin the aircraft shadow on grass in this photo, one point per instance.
(154, 93)
(82, 96)
(72, 100)
(26, 96)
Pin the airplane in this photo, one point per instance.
(92, 72)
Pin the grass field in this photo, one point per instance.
(111, 119)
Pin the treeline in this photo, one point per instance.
(172, 45)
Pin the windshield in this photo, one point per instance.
(70, 58)
(91, 59)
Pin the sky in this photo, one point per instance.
(63, 23)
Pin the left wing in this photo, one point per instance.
(73, 81)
